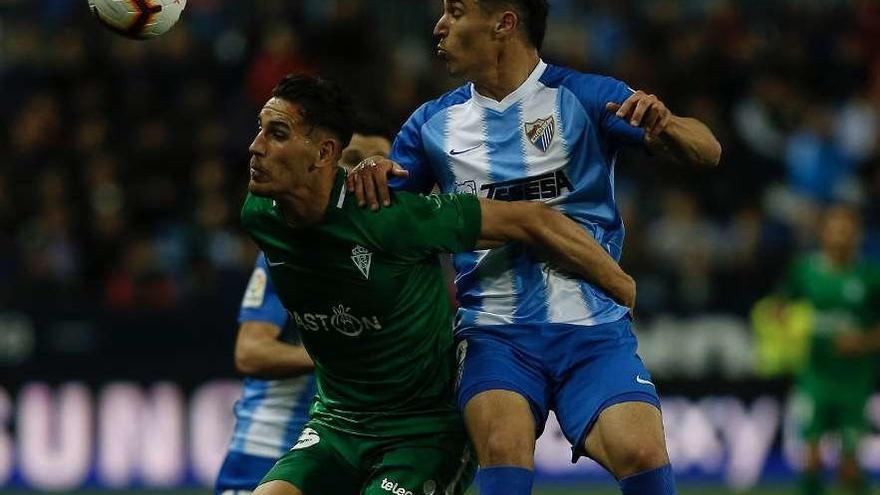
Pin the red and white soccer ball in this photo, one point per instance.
(140, 19)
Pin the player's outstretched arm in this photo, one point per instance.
(259, 353)
(682, 139)
(559, 238)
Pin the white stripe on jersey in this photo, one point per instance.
(540, 106)
(567, 304)
(466, 148)
(496, 287)
(265, 431)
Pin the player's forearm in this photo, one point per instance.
(573, 249)
(272, 359)
(687, 140)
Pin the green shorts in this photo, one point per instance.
(844, 414)
(325, 461)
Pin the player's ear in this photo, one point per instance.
(329, 151)
(506, 24)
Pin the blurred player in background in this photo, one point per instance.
(531, 338)
(370, 138)
(278, 388)
(271, 413)
(844, 291)
(366, 290)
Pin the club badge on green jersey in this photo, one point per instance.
(362, 258)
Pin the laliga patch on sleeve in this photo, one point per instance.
(256, 290)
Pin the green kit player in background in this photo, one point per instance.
(367, 293)
(844, 292)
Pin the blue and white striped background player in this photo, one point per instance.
(533, 339)
(273, 408)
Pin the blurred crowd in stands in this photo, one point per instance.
(123, 164)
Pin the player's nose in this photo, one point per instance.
(440, 29)
(257, 146)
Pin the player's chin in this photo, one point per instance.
(263, 189)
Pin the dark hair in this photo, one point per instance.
(370, 124)
(532, 16)
(323, 102)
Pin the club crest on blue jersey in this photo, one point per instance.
(540, 132)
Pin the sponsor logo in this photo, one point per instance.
(543, 187)
(256, 289)
(454, 152)
(362, 259)
(641, 380)
(466, 187)
(540, 132)
(306, 439)
(340, 320)
(393, 487)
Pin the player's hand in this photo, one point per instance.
(369, 181)
(643, 110)
(850, 344)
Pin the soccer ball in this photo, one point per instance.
(139, 19)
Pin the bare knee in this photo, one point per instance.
(502, 428)
(630, 459)
(628, 439)
(503, 447)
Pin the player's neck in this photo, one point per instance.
(510, 71)
(306, 203)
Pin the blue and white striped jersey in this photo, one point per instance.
(551, 140)
(270, 414)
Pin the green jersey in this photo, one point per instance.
(367, 293)
(844, 300)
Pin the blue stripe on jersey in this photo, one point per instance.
(467, 276)
(436, 131)
(593, 192)
(411, 151)
(254, 391)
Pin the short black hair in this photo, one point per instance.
(371, 124)
(532, 16)
(324, 103)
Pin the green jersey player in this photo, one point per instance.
(366, 290)
(838, 379)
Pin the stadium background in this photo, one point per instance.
(122, 169)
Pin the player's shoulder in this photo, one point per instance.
(556, 76)
(433, 107)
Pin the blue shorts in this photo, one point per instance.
(575, 371)
(242, 473)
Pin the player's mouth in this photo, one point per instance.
(442, 53)
(257, 173)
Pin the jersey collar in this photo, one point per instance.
(528, 87)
